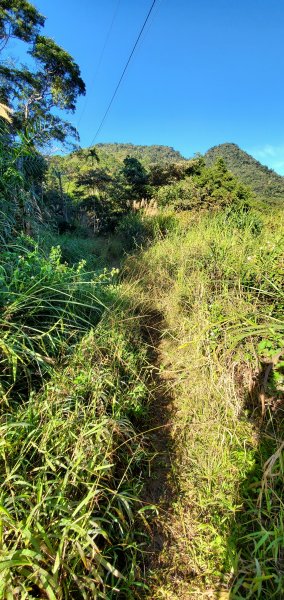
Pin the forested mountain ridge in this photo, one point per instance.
(105, 180)
(146, 154)
(264, 181)
(111, 155)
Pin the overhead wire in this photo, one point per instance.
(123, 73)
(100, 59)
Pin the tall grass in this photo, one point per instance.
(74, 387)
(45, 307)
(71, 464)
(218, 285)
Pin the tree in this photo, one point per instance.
(167, 173)
(54, 82)
(95, 180)
(93, 155)
(28, 121)
(136, 178)
(19, 19)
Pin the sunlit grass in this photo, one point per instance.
(218, 285)
(74, 382)
(76, 399)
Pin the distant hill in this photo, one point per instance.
(146, 154)
(110, 160)
(264, 181)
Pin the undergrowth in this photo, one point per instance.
(75, 387)
(45, 307)
(77, 396)
(218, 284)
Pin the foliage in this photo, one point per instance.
(264, 181)
(53, 81)
(76, 388)
(19, 19)
(74, 524)
(74, 385)
(110, 164)
(136, 178)
(112, 187)
(22, 172)
(136, 231)
(205, 187)
(161, 174)
(146, 154)
(218, 285)
(45, 306)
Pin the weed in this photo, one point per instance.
(218, 286)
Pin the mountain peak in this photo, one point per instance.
(264, 181)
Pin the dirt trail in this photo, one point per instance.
(161, 487)
(167, 569)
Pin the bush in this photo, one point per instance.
(73, 528)
(132, 231)
(243, 216)
(136, 230)
(45, 305)
(161, 225)
(211, 187)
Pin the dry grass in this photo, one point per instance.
(206, 282)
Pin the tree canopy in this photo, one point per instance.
(20, 19)
(54, 80)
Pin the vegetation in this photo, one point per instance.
(51, 80)
(141, 353)
(100, 196)
(217, 285)
(71, 459)
(264, 181)
(146, 154)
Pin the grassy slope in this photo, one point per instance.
(206, 283)
(264, 181)
(73, 455)
(74, 392)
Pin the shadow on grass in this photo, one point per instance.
(157, 488)
(255, 551)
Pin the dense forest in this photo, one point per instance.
(141, 353)
(264, 181)
(101, 184)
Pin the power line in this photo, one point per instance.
(100, 60)
(123, 73)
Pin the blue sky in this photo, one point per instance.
(205, 72)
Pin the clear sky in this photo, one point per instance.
(205, 72)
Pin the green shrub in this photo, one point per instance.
(71, 521)
(132, 231)
(244, 216)
(45, 305)
(136, 230)
(161, 225)
(214, 187)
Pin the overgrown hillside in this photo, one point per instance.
(142, 420)
(142, 358)
(146, 154)
(141, 412)
(216, 283)
(264, 181)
